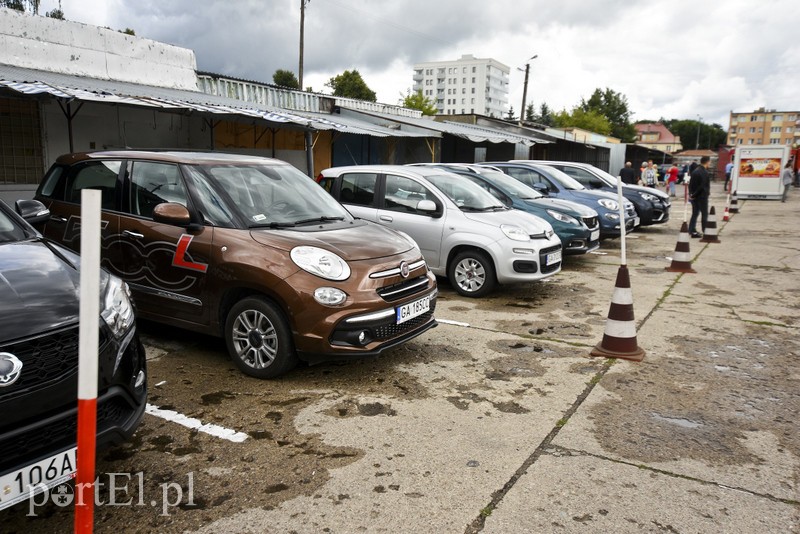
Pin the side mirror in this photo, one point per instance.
(172, 213)
(32, 211)
(427, 206)
(542, 188)
(596, 184)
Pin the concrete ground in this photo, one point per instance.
(498, 421)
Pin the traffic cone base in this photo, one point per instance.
(710, 231)
(734, 203)
(619, 338)
(681, 259)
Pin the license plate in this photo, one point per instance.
(595, 235)
(412, 309)
(31, 480)
(553, 257)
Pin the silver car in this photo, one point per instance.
(464, 233)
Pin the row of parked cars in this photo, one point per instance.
(252, 250)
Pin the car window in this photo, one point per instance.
(327, 183)
(10, 230)
(358, 188)
(212, 206)
(154, 183)
(404, 194)
(53, 184)
(511, 186)
(528, 177)
(100, 175)
(580, 175)
(464, 194)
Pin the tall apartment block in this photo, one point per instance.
(466, 85)
(764, 127)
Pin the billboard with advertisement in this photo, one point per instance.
(757, 169)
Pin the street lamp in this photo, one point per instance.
(697, 142)
(525, 87)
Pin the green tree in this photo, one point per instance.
(590, 120)
(530, 113)
(350, 84)
(55, 14)
(417, 101)
(128, 31)
(614, 107)
(285, 78)
(695, 133)
(510, 115)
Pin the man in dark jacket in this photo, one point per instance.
(627, 174)
(699, 190)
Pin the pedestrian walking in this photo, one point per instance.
(649, 175)
(671, 179)
(728, 170)
(627, 174)
(788, 178)
(699, 191)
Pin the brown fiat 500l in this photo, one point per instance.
(246, 248)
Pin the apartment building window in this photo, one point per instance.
(788, 141)
(774, 141)
(473, 90)
(777, 118)
(463, 101)
(741, 129)
(753, 118)
(740, 141)
(463, 90)
(471, 100)
(761, 130)
(463, 70)
(752, 130)
(473, 79)
(789, 129)
(463, 80)
(750, 142)
(473, 69)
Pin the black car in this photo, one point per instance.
(39, 316)
(652, 205)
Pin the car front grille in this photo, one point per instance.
(591, 222)
(388, 331)
(45, 359)
(400, 290)
(543, 260)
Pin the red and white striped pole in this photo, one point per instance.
(87, 359)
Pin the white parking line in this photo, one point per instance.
(456, 323)
(196, 424)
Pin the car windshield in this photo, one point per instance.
(10, 229)
(603, 175)
(273, 195)
(511, 186)
(467, 195)
(566, 181)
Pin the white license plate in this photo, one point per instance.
(595, 235)
(412, 309)
(22, 484)
(553, 257)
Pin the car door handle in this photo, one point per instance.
(128, 233)
(56, 218)
(385, 218)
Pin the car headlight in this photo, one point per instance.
(116, 308)
(608, 204)
(563, 217)
(514, 232)
(321, 262)
(649, 197)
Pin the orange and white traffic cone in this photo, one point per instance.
(710, 231)
(726, 216)
(734, 203)
(681, 260)
(619, 338)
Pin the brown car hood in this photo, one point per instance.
(359, 240)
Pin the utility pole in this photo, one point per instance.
(697, 142)
(302, 24)
(525, 87)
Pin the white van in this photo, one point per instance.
(464, 232)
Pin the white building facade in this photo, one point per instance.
(468, 85)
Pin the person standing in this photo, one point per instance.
(699, 191)
(787, 177)
(649, 175)
(672, 179)
(627, 174)
(728, 170)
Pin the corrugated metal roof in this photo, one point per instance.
(70, 87)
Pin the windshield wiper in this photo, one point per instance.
(320, 219)
(486, 208)
(273, 224)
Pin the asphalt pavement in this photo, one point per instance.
(498, 420)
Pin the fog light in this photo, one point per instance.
(523, 251)
(362, 337)
(139, 379)
(612, 216)
(329, 296)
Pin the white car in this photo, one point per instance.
(464, 233)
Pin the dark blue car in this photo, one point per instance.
(555, 184)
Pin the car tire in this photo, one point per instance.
(472, 274)
(259, 339)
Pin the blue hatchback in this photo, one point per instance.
(555, 184)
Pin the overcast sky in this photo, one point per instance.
(676, 59)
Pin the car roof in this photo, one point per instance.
(169, 156)
(420, 170)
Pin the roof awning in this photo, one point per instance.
(77, 88)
